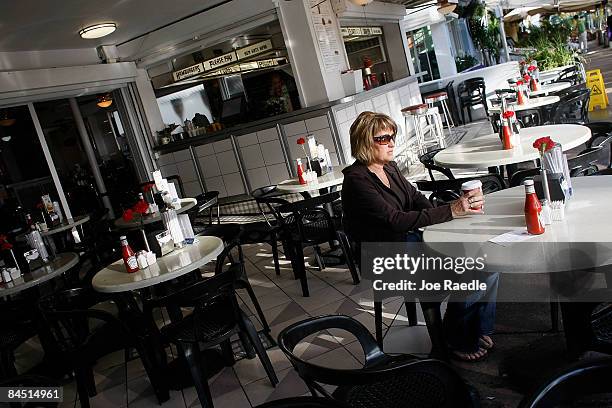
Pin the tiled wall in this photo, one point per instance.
(390, 103)
(219, 167)
(319, 127)
(263, 158)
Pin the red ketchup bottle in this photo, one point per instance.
(520, 97)
(534, 85)
(300, 171)
(507, 132)
(532, 210)
(129, 258)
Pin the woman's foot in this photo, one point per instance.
(478, 355)
(486, 342)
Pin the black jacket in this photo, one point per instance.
(374, 213)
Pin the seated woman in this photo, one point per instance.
(380, 205)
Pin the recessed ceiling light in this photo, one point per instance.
(97, 31)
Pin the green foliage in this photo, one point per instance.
(484, 29)
(464, 62)
(550, 41)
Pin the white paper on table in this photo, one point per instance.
(511, 237)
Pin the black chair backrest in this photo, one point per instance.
(584, 163)
(520, 176)
(569, 74)
(208, 201)
(444, 191)
(582, 379)
(67, 317)
(572, 108)
(529, 117)
(399, 382)
(428, 162)
(312, 223)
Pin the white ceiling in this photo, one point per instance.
(27, 25)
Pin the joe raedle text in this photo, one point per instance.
(425, 286)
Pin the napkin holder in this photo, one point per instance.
(315, 165)
(557, 186)
(163, 243)
(33, 259)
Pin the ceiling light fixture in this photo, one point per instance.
(6, 138)
(361, 2)
(97, 30)
(105, 100)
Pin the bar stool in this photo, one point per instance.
(428, 134)
(442, 97)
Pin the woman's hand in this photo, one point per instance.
(470, 203)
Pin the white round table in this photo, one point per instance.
(533, 103)
(486, 151)
(115, 279)
(331, 179)
(66, 225)
(186, 204)
(60, 264)
(546, 89)
(582, 240)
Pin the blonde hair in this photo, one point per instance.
(362, 134)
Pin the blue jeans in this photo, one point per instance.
(470, 316)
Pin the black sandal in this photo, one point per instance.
(463, 356)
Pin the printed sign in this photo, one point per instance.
(188, 72)
(220, 61)
(254, 49)
(360, 31)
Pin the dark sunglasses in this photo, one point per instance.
(384, 139)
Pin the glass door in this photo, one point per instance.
(423, 54)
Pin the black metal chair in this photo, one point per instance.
(472, 92)
(583, 379)
(445, 191)
(206, 203)
(215, 318)
(82, 335)
(304, 402)
(308, 225)
(428, 162)
(383, 381)
(572, 108)
(584, 163)
(601, 135)
(569, 74)
(17, 328)
(529, 117)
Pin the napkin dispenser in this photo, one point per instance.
(161, 242)
(33, 259)
(557, 186)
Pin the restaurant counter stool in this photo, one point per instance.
(383, 380)
(427, 127)
(441, 98)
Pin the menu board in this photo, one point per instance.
(223, 60)
(325, 33)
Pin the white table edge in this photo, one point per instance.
(130, 286)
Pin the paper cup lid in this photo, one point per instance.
(471, 185)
